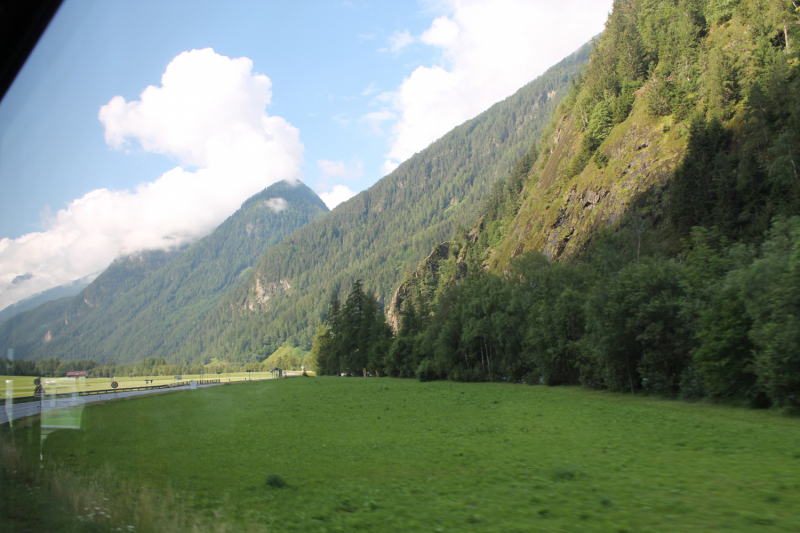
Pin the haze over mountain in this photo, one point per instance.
(62, 291)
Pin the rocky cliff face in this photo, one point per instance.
(560, 214)
(426, 272)
(610, 156)
(264, 291)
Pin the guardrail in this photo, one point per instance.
(25, 399)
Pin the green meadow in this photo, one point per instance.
(19, 386)
(350, 454)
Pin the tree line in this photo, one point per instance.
(152, 366)
(720, 321)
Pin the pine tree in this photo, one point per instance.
(351, 325)
(332, 355)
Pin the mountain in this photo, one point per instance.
(668, 91)
(651, 243)
(145, 304)
(683, 118)
(25, 332)
(381, 232)
(62, 291)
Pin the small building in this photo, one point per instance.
(277, 372)
(79, 374)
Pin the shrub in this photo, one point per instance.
(601, 159)
(429, 370)
(276, 481)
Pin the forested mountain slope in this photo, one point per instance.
(144, 305)
(27, 331)
(383, 231)
(651, 244)
(671, 121)
(674, 123)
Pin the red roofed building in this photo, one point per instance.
(81, 374)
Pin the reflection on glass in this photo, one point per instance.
(61, 406)
(10, 401)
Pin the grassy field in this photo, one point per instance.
(399, 455)
(23, 385)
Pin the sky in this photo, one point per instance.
(144, 124)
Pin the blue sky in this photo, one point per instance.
(350, 88)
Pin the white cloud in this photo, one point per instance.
(209, 114)
(276, 204)
(372, 88)
(376, 119)
(339, 169)
(489, 49)
(388, 166)
(443, 32)
(399, 40)
(339, 194)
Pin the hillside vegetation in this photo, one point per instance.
(56, 293)
(650, 243)
(383, 231)
(27, 332)
(312, 454)
(145, 305)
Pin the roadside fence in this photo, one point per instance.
(23, 399)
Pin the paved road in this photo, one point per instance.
(21, 410)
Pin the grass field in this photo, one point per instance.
(399, 455)
(23, 386)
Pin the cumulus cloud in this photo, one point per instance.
(443, 32)
(389, 166)
(339, 194)
(489, 49)
(209, 114)
(331, 171)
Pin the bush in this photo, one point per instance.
(430, 370)
(601, 159)
(276, 481)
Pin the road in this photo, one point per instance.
(21, 410)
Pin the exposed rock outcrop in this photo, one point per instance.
(263, 292)
(429, 267)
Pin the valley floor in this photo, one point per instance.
(399, 455)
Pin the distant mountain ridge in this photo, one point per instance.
(62, 291)
(144, 304)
